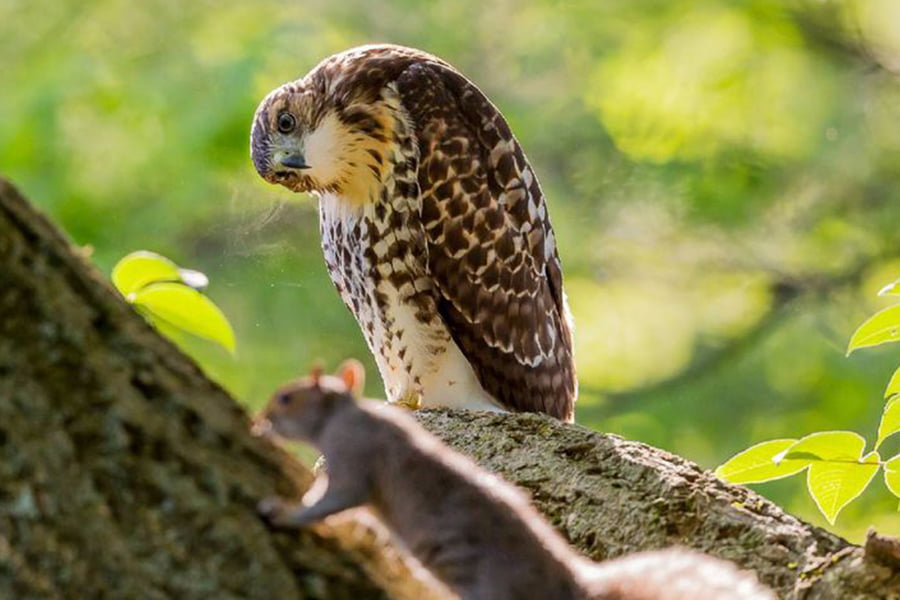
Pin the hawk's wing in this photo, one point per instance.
(491, 249)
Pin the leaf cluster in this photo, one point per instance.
(838, 468)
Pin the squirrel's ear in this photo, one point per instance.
(353, 375)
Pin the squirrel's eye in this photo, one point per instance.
(284, 399)
(286, 122)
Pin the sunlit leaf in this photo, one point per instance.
(194, 279)
(827, 445)
(833, 485)
(164, 327)
(893, 386)
(883, 327)
(891, 289)
(188, 310)
(892, 475)
(142, 268)
(890, 420)
(757, 463)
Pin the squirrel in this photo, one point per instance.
(474, 532)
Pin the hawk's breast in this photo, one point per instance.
(385, 285)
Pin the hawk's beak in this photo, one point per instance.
(294, 160)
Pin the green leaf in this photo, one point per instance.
(828, 445)
(892, 475)
(194, 279)
(881, 328)
(833, 485)
(757, 463)
(164, 327)
(891, 289)
(188, 310)
(893, 386)
(890, 420)
(140, 269)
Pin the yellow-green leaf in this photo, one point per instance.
(164, 327)
(891, 289)
(890, 420)
(833, 485)
(827, 445)
(194, 279)
(881, 328)
(757, 463)
(893, 386)
(188, 310)
(140, 269)
(892, 475)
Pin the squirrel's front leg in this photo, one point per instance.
(341, 494)
(286, 515)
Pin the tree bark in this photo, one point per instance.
(611, 497)
(125, 473)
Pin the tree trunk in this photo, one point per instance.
(125, 473)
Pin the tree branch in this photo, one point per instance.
(611, 497)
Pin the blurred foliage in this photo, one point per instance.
(723, 177)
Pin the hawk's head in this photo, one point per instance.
(295, 142)
(328, 132)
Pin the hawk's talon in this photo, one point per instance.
(410, 401)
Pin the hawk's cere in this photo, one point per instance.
(434, 227)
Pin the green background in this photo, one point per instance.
(722, 176)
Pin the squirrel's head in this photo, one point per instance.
(299, 409)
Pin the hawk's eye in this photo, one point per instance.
(286, 122)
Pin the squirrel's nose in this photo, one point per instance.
(261, 426)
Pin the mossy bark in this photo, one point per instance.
(125, 473)
(611, 497)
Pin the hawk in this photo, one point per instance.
(434, 228)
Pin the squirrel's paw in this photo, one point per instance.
(274, 511)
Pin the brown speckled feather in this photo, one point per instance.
(491, 247)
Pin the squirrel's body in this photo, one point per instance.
(462, 523)
(476, 533)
